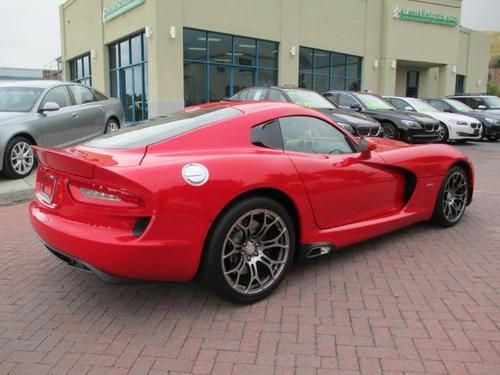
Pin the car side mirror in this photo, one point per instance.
(481, 106)
(356, 107)
(366, 146)
(50, 107)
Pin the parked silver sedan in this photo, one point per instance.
(50, 113)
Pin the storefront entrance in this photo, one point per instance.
(412, 80)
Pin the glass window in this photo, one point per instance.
(125, 52)
(228, 64)
(195, 45)
(330, 70)
(128, 76)
(308, 98)
(398, 103)
(136, 47)
(276, 96)
(268, 54)
(82, 95)
(457, 105)
(374, 101)
(312, 135)
(80, 70)
(255, 93)
(194, 83)
(18, 99)
(220, 48)
(220, 82)
(98, 96)
(346, 100)
(245, 51)
(243, 78)
(59, 95)
(162, 128)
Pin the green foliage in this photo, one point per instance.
(493, 89)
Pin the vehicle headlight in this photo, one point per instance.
(492, 120)
(411, 124)
(346, 127)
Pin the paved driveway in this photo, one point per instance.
(422, 300)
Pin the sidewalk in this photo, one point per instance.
(12, 191)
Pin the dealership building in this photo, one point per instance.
(160, 55)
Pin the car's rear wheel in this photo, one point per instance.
(452, 199)
(390, 130)
(111, 126)
(249, 250)
(19, 160)
(443, 133)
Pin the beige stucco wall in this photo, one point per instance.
(364, 28)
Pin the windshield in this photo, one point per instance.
(374, 102)
(421, 106)
(458, 106)
(18, 99)
(162, 128)
(492, 101)
(308, 99)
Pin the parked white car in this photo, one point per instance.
(454, 127)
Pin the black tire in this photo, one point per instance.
(492, 139)
(213, 263)
(14, 171)
(111, 126)
(444, 134)
(439, 216)
(390, 130)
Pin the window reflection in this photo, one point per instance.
(80, 70)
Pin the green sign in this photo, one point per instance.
(119, 7)
(424, 16)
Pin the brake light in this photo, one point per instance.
(104, 196)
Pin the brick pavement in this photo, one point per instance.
(422, 300)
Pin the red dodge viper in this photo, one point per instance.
(233, 193)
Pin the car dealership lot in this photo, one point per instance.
(418, 300)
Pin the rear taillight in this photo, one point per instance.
(104, 196)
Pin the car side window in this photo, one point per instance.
(346, 100)
(442, 106)
(276, 96)
(334, 98)
(398, 103)
(256, 94)
(267, 135)
(82, 94)
(59, 95)
(98, 96)
(312, 135)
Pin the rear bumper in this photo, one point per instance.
(113, 253)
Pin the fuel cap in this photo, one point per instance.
(195, 174)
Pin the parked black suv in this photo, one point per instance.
(403, 125)
(490, 120)
(487, 103)
(355, 123)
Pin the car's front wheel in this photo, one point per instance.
(249, 250)
(390, 130)
(452, 198)
(443, 133)
(19, 159)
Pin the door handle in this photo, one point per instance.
(101, 108)
(75, 114)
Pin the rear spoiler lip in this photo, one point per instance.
(62, 161)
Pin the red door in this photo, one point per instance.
(342, 188)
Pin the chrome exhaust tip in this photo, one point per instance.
(318, 251)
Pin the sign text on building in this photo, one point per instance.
(424, 16)
(119, 7)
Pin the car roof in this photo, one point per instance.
(36, 83)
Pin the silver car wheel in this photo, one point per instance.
(441, 133)
(112, 126)
(255, 251)
(21, 158)
(455, 196)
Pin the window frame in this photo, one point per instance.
(73, 70)
(349, 141)
(331, 76)
(70, 95)
(207, 62)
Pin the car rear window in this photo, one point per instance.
(162, 128)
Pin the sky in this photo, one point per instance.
(30, 37)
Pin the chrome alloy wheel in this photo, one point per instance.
(21, 158)
(455, 196)
(112, 127)
(255, 251)
(441, 133)
(389, 131)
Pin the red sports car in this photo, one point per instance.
(233, 193)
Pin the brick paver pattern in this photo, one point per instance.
(421, 300)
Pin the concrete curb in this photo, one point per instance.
(16, 191)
